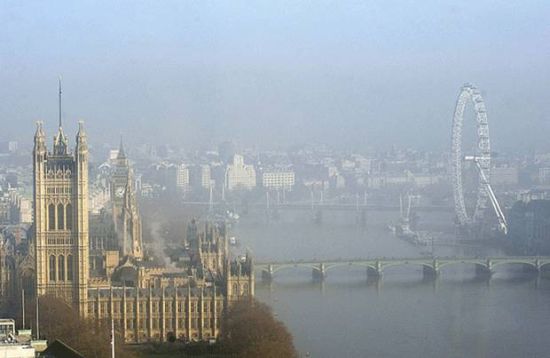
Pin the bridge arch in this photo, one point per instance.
(516, 262)
(349, 264)
(477, 264)
(482, 267)
(406, 263)
(427, 265)
(278, 268)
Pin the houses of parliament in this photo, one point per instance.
(97, 262)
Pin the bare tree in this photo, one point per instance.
(58, 320)
(251, 330)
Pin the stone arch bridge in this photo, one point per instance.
(431, 267)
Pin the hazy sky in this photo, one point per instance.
(352, 74)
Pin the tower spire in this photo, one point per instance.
(121, 152)
(60, 123)
(60, 140)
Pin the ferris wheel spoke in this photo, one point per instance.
(470, 93)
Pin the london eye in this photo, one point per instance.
(481, 158)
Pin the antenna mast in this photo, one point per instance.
(60, 102)
(37, 325)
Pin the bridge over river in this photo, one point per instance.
(323, 206)
(431, 266)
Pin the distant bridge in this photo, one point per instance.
(431, 266)
(355, 207)
(331, 206)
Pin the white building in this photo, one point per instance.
(11, 346)
(278, 179)
(25, 210)
(239, 175)
(182, 177)
(99, 197)
(200, 176)
(113, 154)
(544, 175)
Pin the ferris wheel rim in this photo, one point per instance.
(470, 93)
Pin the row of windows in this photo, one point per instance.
(61, 270)
(60, 241)
(62, 190)
(244, 291)
(58, 175)
(131, 306)
(278, 177)
(60, 218)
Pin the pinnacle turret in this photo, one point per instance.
(81, 139)
(39, 138)
(60, 143)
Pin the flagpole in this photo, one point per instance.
(112, 338)
(23, 306)
(37, 324)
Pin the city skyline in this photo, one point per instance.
(284, 179)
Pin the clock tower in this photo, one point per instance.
(125, 210)
(119, 179)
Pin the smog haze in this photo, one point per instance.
(276, 73)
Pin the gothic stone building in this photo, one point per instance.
(125, 210)
(115, 232)
(146, 301)
(61, 217)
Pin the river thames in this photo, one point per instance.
(402, 315)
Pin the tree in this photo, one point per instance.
(58, 320)
(251, 330)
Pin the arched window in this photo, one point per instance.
(69, 217)
(51, 217)
(235, 289)
(60, 217)
(245, 289)
(61, 270)
(69, 267)
(52, 268)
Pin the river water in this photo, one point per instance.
(402, 315)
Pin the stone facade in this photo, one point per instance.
(147, 300)
(61, 217)
(144, 314)
(124, 208)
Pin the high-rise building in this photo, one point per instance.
(200, 177)
(239, 175)
(278, 179)
(8, 147)
(182, 178)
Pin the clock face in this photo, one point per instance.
(119, 192)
